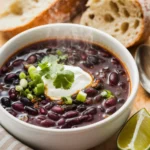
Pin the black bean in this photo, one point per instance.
(122, 85)
(121, 100)
(93, 60)
(87, 64)
(4, 69)
(49, 105)
(61, 121)
(18, 106)
(12, 91)
(83, 56)
(32, 59)
(10, 77)
(90, 91)
(13, 96)
(26, 101)
(111, 102)
(31, 110)
(89, 101)
(6, 101)
(17, 62)
(70, 114)
(90, 111)
(58, 109)
(111, 110)
(114, 61)
(101, 108)
(70, 107)
(43, 111)
(72, 121)
(113, 78)
(97, 98)
(81, 108)
(47, 123)
(11, 111)
(53, 116)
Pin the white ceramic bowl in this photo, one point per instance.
(77, 138)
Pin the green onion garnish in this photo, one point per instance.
(22, 75)
(19, 88)
(81, 96)
(67, 100)
(23, 83)
(30, 96)
(106, 94)
(39, 89)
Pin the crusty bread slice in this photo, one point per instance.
(126, 20)
(24, 14)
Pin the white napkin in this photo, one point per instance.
(8, 142)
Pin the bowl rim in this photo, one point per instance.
(93, 125)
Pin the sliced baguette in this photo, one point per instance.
(24, 14)
(126, 20)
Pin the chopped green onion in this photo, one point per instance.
(39, 89)
(22, 75)
(32, 71)
(30, 96)
(106, 94)
(23, 83)
(81, 96)
(19, 88)
(27, 91)
(59, 52)
(67, 100)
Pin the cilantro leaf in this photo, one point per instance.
(44, 68)
(64, 79)
(54, 69)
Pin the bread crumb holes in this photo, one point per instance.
(124, 27)
(136, 24)
(108, 18)
(91, 16)
(114, 7)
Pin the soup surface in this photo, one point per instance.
(35, 81)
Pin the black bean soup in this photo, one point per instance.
(109, 75)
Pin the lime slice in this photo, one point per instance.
(136, 133)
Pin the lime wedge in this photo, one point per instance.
(135, 135)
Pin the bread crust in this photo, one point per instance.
(145, 31)
(58, 11)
